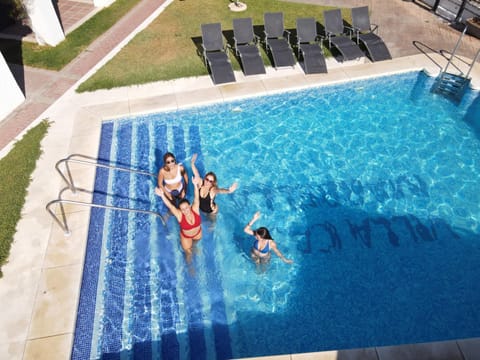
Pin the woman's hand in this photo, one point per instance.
(194, 158)
(196, 180)
(232, 188)
(256, 216)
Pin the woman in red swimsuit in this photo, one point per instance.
(188, 218)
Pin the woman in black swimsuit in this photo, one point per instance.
(209, 189)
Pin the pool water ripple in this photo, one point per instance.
(371, 187)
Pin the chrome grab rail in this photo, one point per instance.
(71, 158)
(63, 221)
(455, 49)
(473, 63)
(68, 178)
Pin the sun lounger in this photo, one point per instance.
(336, 34)
(277, 40)
(246, 47)
(215, 55)
(308, 46)
(365, 34)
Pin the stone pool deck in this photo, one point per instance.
(41, 283)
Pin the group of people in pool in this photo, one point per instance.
(172, 189)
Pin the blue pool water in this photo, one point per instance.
(371, 187)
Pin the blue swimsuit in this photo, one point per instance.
(265, 250)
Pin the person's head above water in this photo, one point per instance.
(168, 159)
(263, 233)
(210, 178)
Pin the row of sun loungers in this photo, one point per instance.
(345, 40)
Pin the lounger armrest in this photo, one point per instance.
(350, 31)
(287, 35)
(328, 36)
(204, 54)
(374, 28)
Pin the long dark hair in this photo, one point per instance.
(263, 233)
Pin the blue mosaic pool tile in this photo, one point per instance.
(86, 307)
(214, 284)
(179, 143)
(195, 147)
(118, 228)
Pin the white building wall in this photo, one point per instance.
(44, 21)
(10, 94)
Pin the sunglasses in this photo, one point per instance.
(170, 161)
(209, 180)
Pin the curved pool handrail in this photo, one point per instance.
(93, 161)
(63, 221)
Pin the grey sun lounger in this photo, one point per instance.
(215, 55)
(336, 34)
(365, 33)
(277, 40)
(246, 47)
(308, 46)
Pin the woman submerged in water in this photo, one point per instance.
(263, 243)
(188, 218)
(209, 189)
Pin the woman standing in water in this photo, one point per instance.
(188, 218)
(209, 189)
(172, 179)
(263, 243)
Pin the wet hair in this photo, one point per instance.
(212, 174)
(166, 156)
(183, 201)
(263, 233)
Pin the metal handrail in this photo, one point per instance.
(455, 49)
(473, 62)
(71, 158)
(63, 221)
(68, 178)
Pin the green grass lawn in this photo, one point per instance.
(15, 174)
(167, 49)
(55, 58)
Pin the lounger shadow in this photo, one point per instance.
(277, 40)
(365, 34)
(309, 47)
(339, 36)
(215, 54)
(245, 44)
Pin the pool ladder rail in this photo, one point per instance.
(454, 85)
(68, 178)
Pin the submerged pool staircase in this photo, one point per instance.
(61, 218)
(453, 85)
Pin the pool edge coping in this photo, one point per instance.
(76, 129)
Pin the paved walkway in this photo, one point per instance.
(407, 27)
(44, 87)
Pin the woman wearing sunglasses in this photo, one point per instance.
(209, 189)
(172, 179)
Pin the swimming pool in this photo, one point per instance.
(370, 186)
